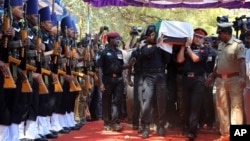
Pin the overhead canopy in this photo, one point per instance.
(229, 4)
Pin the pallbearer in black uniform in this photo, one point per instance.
(194, 59)
(154, 93)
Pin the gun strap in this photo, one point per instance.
(31, 53)
(46, 80)
(14, 71)
(15, 44)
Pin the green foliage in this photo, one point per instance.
(121, 19)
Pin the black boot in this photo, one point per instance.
(145, 131)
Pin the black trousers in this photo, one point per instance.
(4, 110)
(137, 101)
(154, 98)
(193, 92)
(112, 98)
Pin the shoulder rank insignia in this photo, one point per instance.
(149, 46)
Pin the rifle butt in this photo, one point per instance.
(72, 87)
(57, 85)
(9, 82)
(42, 89)
(26, 87)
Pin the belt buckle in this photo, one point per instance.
(114, 75)
(190, 74)
(224, 76)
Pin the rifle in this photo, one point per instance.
(26, 87)
(42, 88)
(9, 82)
(57, 85)
(74, 61)
(89, 56)
(68, 68)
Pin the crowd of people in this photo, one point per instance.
(51, 83)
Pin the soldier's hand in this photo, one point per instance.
(101, 87)
(4, 69)
(242, 83)
(188, 42)
(26, 42)
(37, 77)
(210, 80)
(130, 82)
(59, 50)
(160, 41)
(41, 47)
(68, 78)
(132, 62)
(9, 32)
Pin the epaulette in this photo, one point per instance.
(237, 40)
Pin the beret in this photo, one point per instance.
(113, 35)
(200, 32)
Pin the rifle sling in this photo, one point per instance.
(46, 59)
(15, 44)
(31, 53)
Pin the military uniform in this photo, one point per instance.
(154, 91)
(137, 71)
(193, 82)
(111, 63)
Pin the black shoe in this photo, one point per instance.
(117, 127)
(190, 135)
(161, 131)
(67, 128)
(145, 134)
(25, 139)
(54, 132)
(51, 136)
(41, 139)
(135, 127)
(78, 125)
(75, 128)
(107, 128)
(63, 131)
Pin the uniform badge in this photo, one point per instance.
(149, 46)
(109, 54)
(17, 29)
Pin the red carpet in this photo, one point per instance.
(93, 132)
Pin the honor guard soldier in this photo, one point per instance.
(44, 114)
(194, 60)
(17, 96)
(110, 66)
(230, 74)
(28, 130)
(5, 116)
(69, 87)
(154, 91)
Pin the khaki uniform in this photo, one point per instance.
(229, 94)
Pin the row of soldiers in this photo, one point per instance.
(43, 85)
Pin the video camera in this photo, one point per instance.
(238, 23)
(135, 30)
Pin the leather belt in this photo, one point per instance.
(153, 70)
(193, 74)
(225, 76)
